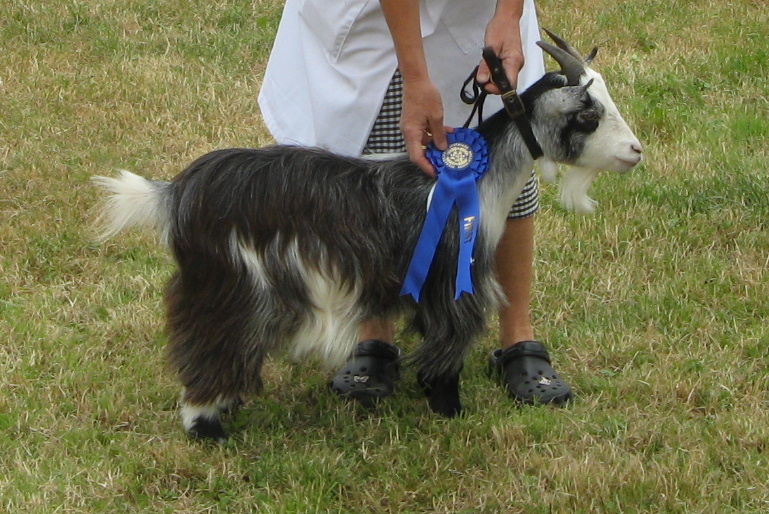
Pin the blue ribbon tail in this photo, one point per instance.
(468, 207)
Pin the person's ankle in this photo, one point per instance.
(514, 337)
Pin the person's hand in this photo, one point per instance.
(422, 121)
(503, 35)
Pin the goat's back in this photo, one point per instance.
(357, 215)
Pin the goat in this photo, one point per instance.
(289, 248)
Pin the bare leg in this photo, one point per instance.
(382, 329)
(523, 364)
(514, 258)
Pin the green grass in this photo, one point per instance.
(654, 309)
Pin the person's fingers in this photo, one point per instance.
(438, 132)
(418, 157)
(492, 88)
(483, 76)
(416, 143)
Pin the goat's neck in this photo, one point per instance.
(510, 168)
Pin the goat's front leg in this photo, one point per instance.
(442, 393)
(449, 328)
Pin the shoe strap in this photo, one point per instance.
(524, 349)
(377, 348)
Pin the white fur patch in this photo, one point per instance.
(190, 413)
(548, 169)
(253, 262)
(496, 205)
(330, 327)
(211, 411)
(382, 156)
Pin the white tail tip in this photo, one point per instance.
(132, 201)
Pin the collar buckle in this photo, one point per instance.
(513, 104)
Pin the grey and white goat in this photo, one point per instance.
(288, 249)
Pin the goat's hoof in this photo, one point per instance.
(447, 407)
(442, 395)
(207, 429)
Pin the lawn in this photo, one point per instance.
(654, 309)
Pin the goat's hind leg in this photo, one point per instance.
(208, 344)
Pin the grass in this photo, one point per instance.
(654, 308)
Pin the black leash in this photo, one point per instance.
(510, 98)
(476, 98)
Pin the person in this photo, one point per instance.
(378, 76)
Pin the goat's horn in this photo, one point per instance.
(570, 66)
(586, 86)
(563, 45)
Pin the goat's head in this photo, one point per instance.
(579, 124)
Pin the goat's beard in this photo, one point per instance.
(574, 185)
(574, 188)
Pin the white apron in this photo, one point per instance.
(332, 62)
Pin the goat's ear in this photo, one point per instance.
(589, 58)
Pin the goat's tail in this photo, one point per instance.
(132, 201)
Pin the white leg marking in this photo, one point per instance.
(190, 413)
(209, 411)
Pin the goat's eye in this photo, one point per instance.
(589, 116)
(588, 121)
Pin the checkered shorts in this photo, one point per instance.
(386, 137)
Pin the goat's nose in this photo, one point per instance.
(636, 147)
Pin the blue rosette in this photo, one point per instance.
(467, 150)
(458, 169)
